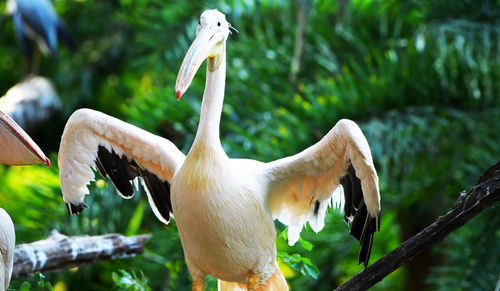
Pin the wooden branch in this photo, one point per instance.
(62, 252)
(483, 195)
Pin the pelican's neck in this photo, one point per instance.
(211, 106)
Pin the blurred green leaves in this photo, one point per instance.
(36, 282)
(130, 281)
(420, 77)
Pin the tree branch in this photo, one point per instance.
(62, 252)
(480, 197)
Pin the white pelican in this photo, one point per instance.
(16, 148)
(224, 208)
(7, 244)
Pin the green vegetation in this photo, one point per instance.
(420, 77)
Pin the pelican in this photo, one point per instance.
(16, 148)
(224, 208)
(7, 244)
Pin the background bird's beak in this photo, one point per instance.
(207, 44)
(16, 147)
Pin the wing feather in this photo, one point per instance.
(119, 170)
(301, 187)
(158, 192)
(121, 152)
(363, 226)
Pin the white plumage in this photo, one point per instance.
(224, 208)
(7, 244)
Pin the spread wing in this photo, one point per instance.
(304, 185)
(120, 151)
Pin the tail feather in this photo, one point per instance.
(277, 282)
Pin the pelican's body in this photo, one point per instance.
(228, 232)
(224, 208)
(7, 244)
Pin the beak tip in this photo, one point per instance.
(179, 94)
(47, 162)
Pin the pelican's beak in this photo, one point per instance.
(207, 44)
(16, 147)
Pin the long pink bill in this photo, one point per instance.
(16, 146)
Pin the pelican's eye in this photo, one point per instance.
(218, 23)
(199, 22)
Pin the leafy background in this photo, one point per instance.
(421, 78)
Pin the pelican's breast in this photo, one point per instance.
(224, 225)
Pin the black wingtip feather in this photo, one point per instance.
(366, 237)
(121, 171)
(363, 226)
(316, 208)
(160, 193)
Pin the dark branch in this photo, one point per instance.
(468, 205)
(62, 252)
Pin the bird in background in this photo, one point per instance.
(16, 148)
(225, 208)
(37, 21)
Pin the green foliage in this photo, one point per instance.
(130, 281)
(420, 77)
(476, 265)
(36, 282)
(299, 263)
(296, 261)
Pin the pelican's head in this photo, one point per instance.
(210, 41)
